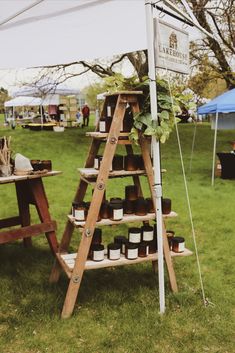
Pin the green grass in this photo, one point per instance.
(117, 309)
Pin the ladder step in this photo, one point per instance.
(125, 219)
(69, 260)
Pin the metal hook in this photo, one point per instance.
(161, 14)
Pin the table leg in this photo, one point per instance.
(22, 192)
(41, 203)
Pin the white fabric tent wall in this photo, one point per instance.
(23, 101)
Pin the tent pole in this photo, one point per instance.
(214, 149)
(156, 150)
(193, 144)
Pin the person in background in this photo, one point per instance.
(79, 118)
(86, 114)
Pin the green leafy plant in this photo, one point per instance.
(169, 106)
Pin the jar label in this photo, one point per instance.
(134, 237)
(118, 214)
(98, 255)
(114, 254)
(109, 111)
(147, 250)
(96, 163)
(123, 248)
(102, 126)
(132, 253)
(148, 236)
(181, 247)
(79, 215)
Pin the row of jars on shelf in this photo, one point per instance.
(106, 121)
(140, 243)
(129, 162)
(116, 208)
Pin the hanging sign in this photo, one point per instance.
(171, 47)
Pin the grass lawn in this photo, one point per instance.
(117, 308)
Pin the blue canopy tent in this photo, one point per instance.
(225, 103)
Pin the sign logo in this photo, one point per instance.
(171, 47)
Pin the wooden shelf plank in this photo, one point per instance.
(14, 178)
(104, 135)
(69, 260)
(126, 219)
(93, 173)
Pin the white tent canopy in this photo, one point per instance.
(23, 101)
(62, 31)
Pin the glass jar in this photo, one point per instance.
(104, 210)
(147, 233)
(122, 240)
(117, 162)
(97, 161)
(114, 251)
(97, 236)
(178, 244)
(143, 249)
(102, 125)
(134, 235)
(79, 211)
(140, 162)
(150, 206)
(131, 251)
(46, 164)
(131, 192)
(129, 206)
(97, 252)
(152, 246)
(141, 207)
(166, 206)
(130, 162)
(116, 209)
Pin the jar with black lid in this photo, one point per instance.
(178, 244)
(108, 122)
(117, 162)
(143, 249)
(141, 207)
(116, 209)
(131, 192)
(97, 236)
(114, 251)
(147, 233)
(166, 206)
(79, 211)
(122, 240)
(129, 206)
(170, 235)
(46, 164)
(134, 235)
(97, 252)
(102, 124)
(88, 204)
(97, 161)
(131, 251)
(152, 246)
(36, 164)
(140, 162)
(130, 162)
(150, 206)
(128, 120)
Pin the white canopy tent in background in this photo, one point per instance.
(23, 101)
(49, 32)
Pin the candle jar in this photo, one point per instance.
(143, 249)
(147, 233)
(102, 125)
(134, 235)
(79, 211)
(131, 251)
(178, 244)
(97, 236)
(117, 162)
(97, 161)
(46, 164)
(109, 111)
(170, 235)
(114, 251)
(166, 206)
(129, 206)
(88, 204)
(104, 210)
(130, 162)
(36, 164)
(141, 207)
(122, 240)
(131, 192)
(152, 246)
(128, 120)
(97, 252)
(116, 209)
(150, 206)
(140, 162)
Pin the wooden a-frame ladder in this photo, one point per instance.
(121, 100)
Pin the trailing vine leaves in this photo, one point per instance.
(167, 108)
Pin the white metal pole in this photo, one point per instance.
(214, 149)
(156, 150)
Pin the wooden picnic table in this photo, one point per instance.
(29, 191)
